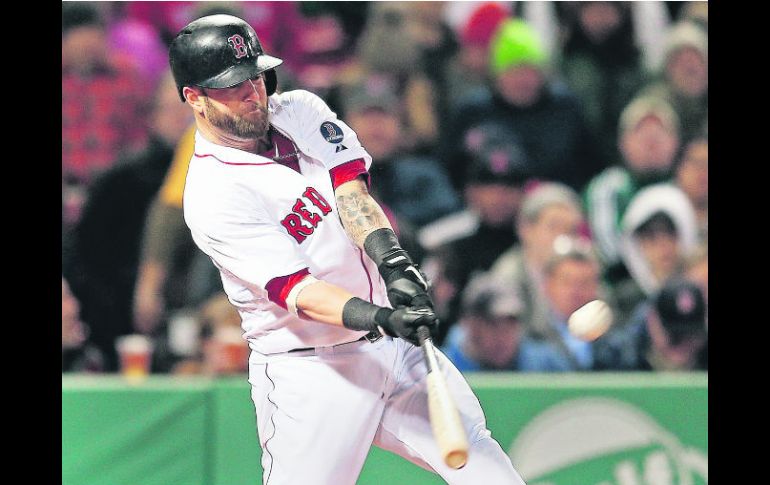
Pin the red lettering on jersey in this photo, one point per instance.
(299, 212)
(318, 200)
(298, 231)
(299, 208)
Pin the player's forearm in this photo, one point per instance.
(323, 302)
(331, 304)
(366, 224)
(359, 212)
(328, 303)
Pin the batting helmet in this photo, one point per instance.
(219, 51)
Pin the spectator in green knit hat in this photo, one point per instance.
(516, 43)
(539, 110)
(518, 61)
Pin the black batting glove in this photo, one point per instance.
(405, 283)
(404, 322)
(358, 314)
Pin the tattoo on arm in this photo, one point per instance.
(360, 214)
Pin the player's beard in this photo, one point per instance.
(239, 126)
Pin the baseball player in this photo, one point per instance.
(277, 196)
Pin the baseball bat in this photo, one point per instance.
(444, 419)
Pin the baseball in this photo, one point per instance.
(590, 321)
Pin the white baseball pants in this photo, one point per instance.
(319, 411)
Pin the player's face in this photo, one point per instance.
(240, 111)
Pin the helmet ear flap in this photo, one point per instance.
(271, 81)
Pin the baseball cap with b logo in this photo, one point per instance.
(495, 155)
(220, 51)
(682, 309)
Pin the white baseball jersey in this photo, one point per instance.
(266, 222)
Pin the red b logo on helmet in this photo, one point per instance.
(238, 45)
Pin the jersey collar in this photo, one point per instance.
(204, 147)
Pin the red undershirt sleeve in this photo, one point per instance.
(349, 171)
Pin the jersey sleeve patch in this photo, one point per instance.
(349, 171)
(279, 287)
(331, 132)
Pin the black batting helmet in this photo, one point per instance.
(219, 51)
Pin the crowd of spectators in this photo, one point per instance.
(532, 157)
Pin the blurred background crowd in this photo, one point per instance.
(532, 157)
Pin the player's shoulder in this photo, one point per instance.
(297, 98)
(215, 190)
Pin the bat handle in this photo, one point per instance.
(426, 343)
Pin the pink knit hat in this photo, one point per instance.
(482, 24)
